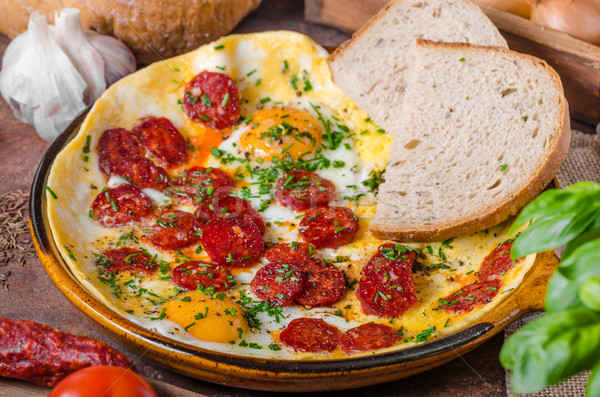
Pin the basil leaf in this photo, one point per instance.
(564, 289)
(553, 231)
(562, 294)
(552, 348)
(590, 293)
(582, 263)
(589, 235)
(593, 386)
(574, 197)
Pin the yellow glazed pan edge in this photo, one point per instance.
(269, 374)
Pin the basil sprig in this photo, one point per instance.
(566, 340)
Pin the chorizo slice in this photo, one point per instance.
(279, 284)
(230, 206)
(212, 99)
(126, 259)
(476, 294)
(232, 241)
(323, 284)
(114, 146)
(42, 355)
(367, 337)
(301, 190)
(496, 263)
(329, 227)
(162, 140)
(122, 205)
(190, 275)
(143, 173)
(295, 253)
(174, 229)
(310, 335)
(200, 183)
(386, 287)
(205, 210)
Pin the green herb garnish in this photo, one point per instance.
(566, 340)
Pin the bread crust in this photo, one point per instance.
(347, 45)
(502, 210)
(152, 29)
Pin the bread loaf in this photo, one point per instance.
(481, 132)
(152, 29)
(372, 67)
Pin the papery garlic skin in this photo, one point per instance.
(69, 35)
(39, 81)
(50, 74)
(119, 59)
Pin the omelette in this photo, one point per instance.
(271, 122)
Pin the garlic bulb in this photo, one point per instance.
(50, 74)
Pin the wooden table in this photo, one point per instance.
(33, 296)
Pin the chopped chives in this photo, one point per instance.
(86, 147)
(225, 100)
(189, 326)
(54, 196)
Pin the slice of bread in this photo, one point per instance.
(372, 67)
(481, 132)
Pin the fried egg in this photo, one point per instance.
(292, 112)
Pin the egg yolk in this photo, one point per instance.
(278, 132)
(207, 318)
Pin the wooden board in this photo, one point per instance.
(577, 62)
(15, 387)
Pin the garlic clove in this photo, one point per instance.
(69, 35)
(39, 81)
(120, 61)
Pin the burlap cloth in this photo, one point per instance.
(582, 164)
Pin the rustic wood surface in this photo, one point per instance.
(577, 62)
(33, 296)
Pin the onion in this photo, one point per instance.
(517, 7)
(579, 18)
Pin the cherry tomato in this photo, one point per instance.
(103, 381)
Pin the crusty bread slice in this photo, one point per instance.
(482, 131)
(371, 68)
